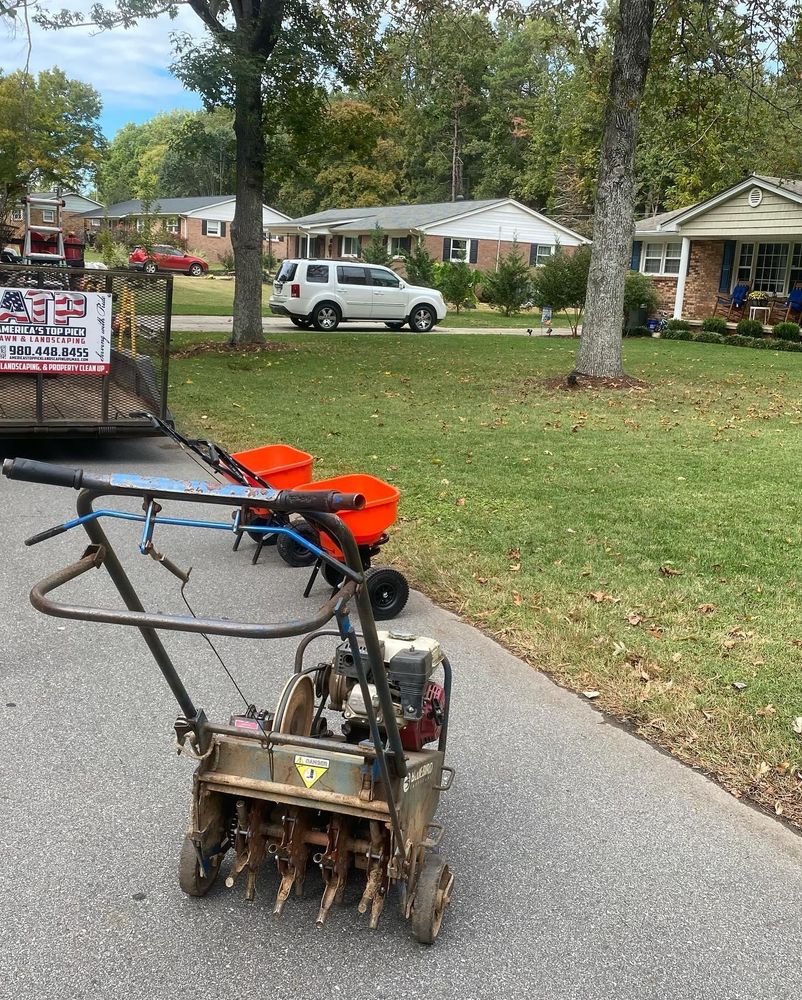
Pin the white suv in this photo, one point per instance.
(323, 293)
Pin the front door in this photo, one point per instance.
(355, 290)
(389, 299)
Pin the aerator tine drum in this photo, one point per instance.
(273, 784)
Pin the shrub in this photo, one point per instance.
(678, 324)
(562, 282)
(639, 293)
(785, 331)
(749, 328)
(114, 254)
(509, 287)
(715, 324)
(708, 337)
(226, 260)
(457, 282)
(375, 250)
(677, 333)
(787, 345)
(419, 265)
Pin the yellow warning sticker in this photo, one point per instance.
(311, 769)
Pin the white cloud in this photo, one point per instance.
(129, 67)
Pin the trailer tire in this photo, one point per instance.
(432, 896)
(292, 552)
(388, 591)
(192, 882)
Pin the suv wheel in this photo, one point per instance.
(422, 319)
(326, 316)
(196, 269)
(149, 267)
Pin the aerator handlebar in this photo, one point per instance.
(284, 501)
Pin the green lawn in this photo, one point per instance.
(643, 545)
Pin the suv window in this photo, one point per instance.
(352, 275)
(287, 272)
(384, 278)
(318, 273)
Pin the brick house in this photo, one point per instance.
(750, 232)
(478, 232)
(72, 215)
(205, 222)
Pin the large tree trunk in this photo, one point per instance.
(613, 226)
(246, 230)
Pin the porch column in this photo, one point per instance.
(679, 298)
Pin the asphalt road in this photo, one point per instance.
(224, 324)
(588, 864)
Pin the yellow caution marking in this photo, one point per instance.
(311, 769)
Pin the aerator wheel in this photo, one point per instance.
(432, 896)
(190, 877)
(388, 591)
(296, 706)
(292, 552)
(332, 576)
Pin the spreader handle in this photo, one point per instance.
(42, 472)
(330, 501)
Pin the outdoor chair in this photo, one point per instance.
(735, 301)
(791, 307)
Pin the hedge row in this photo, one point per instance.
(734, 340)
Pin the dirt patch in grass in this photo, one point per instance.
(574, 382)
(223, 347)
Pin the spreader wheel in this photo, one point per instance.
(332, 576)
(257, 536)
(388, 591)
(292, 552)
(432, 896)
(192, 881)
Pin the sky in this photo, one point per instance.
(127, 67)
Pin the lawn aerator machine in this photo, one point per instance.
(280, 466)
(275, 783)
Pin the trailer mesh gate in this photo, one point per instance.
(96, 404)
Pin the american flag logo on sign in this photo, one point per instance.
(37, 304)
(69, 306)
(12, 307)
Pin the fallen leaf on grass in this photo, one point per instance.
(706, 609)
(676, 657)
(796, 725)
(517, 600)
(670, 571)
(741, 686)
(778, 808)
(514, 554)
(600, 596)
(766, 712)
(590, 695)
(634, 619)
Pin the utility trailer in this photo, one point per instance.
(83, 352)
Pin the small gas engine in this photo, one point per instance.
(419, 702)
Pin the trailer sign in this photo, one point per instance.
(51, 330)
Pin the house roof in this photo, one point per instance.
(161, 206)
(654, 223)
(409, 217)
(394, 216)
(65, 194)
(789, 187)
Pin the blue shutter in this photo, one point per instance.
(446, 249)
(637, 246)
(473, 252)
(727, 260)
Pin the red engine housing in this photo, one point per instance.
(415, 735)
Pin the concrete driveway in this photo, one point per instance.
(589, 865)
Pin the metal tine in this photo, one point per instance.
(284, 890)
(329, 895)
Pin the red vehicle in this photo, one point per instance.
(164, 258)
